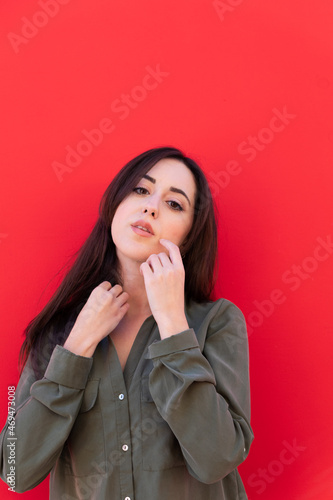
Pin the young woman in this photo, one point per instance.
(135, 384)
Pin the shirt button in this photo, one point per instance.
(124, 448)
(121, 397)
(127, 498)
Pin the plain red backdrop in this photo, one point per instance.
(219, 74)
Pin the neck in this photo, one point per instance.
(133, 284)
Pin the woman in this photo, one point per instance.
(136, 384)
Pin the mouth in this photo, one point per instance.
(142, 228)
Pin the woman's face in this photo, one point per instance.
(160, 206)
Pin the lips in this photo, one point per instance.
(143, 226)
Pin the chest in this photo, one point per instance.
(123, 337)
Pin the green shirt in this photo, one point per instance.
(174, 425)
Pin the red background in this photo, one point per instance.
(226, 68)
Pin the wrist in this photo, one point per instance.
(80, 346)
(172, 325)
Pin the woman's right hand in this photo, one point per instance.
(104, 309)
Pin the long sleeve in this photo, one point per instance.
(45, 411)
(201, 389)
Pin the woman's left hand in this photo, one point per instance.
(164, 278)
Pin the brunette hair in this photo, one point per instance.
(96, 261)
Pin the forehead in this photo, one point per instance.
(172, 172)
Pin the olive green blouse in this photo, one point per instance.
(174, 425)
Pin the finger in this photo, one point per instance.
(122, 299)
(106, 285)
(145, 269)
(116, 290)
(154, 262)
(165, 260)
(124, 308)
(174, 252)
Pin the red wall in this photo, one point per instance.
(245, 87)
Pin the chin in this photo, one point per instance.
(137, 253)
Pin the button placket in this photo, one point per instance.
(122, 425)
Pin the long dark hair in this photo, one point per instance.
(96, 261)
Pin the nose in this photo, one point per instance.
(150, 205)
(150, 210)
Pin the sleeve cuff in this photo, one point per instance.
(179, 342)
(68, 369)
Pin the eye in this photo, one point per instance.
(175, 206)
(140, 190)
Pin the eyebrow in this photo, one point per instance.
(172, 188)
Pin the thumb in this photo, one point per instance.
(144, 269)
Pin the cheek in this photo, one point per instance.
(177, 234)
(120, 216)
(188, 223)
(115, 224)
(188, 230)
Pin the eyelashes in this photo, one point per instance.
(174, 205)
(139, 190)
